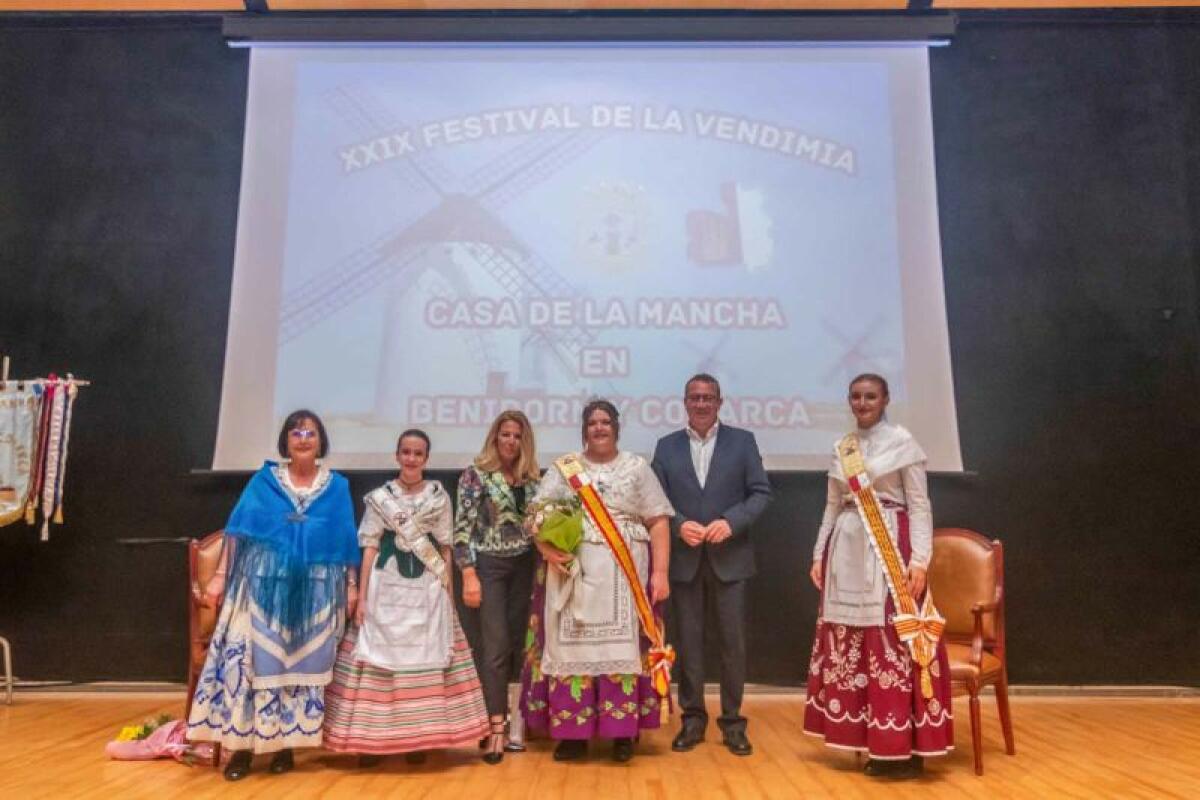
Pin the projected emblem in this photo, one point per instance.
(737, 235)
(612, 226)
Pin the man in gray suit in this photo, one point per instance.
(714, 477)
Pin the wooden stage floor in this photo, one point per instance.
(51, 746)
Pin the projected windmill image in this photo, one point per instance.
(430, 235)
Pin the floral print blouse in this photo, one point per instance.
(489, 517)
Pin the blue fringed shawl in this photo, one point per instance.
(324, 533)
(291, 558)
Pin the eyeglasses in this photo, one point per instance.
(702, 399)
(302, 433)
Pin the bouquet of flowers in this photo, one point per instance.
(135, 733)
(558, 522)
(157, 737)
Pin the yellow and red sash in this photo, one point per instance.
(662, 655)
(919, 629)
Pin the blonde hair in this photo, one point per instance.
(526, 468)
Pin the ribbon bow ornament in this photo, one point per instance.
(920, 630)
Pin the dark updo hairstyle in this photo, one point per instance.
(607, 407)
(420, 434)
(871, 376)
(295, 420)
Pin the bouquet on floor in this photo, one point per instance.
(558, 522)
(157, 737)
(136, 733)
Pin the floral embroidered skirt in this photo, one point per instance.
(378, 711)
(227, 709)
(864, 693)
(581, 706)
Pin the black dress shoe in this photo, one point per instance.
(877, 768)
(282, 762)
(238, 766)
(737, 743)
(687, 738)
(570, 750)
(622, 749)
(913, 768)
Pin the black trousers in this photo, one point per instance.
(688, 605)
(503, 617)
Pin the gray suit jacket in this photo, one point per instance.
(736, 489)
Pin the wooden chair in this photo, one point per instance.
(203, 557)
(967, 579)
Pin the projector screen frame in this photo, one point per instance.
(566, 28)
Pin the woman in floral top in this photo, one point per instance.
(496, 557)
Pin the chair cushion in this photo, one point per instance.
(961, 668)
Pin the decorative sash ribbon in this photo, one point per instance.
(50, 461)
(39, 457)
(404, 525)
(919, 629)
(662, 655)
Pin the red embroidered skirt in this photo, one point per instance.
(864, 689)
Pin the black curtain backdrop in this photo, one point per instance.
(1069, 188)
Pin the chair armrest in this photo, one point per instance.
(979, 609)
(198, 595)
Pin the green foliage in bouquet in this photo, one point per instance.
(559, 523)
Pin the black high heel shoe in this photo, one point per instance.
(238, 766)
(495, 742)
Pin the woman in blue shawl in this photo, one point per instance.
(286, 582)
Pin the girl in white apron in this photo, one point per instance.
(404, 681)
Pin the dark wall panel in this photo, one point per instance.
(1069, 188)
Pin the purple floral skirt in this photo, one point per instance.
(582, 706)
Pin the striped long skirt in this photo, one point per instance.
(377, 711)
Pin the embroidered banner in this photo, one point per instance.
(20, 409)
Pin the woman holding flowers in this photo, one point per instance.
(589, 654)
(286, 581)
(404, 681)
(496, 558)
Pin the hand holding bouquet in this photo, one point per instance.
(558, 523)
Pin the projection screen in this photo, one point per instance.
(430, 234)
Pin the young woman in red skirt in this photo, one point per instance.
(864, 686)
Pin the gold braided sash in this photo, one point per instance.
(919, 629)
(662, 655)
